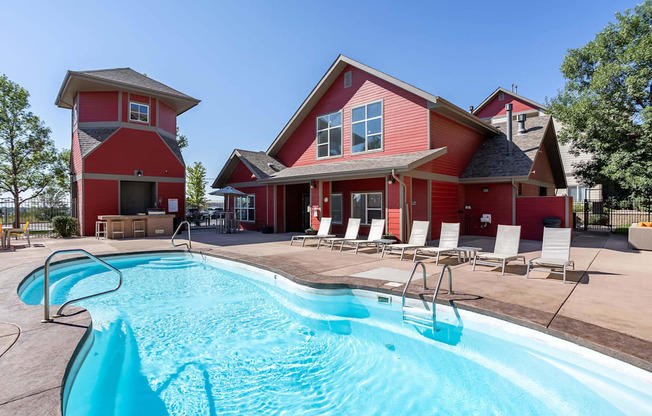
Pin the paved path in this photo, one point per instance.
(605, 306)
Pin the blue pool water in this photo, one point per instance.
(185, 336)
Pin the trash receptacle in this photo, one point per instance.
(552, 222)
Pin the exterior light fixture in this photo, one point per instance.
(313, 184)
(138, 172)
(391, 180)
(485, 189)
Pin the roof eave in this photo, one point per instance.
(450, 110)
(501, 89)
(222, 176)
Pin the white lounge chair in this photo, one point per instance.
(375, 233)
(508, 238)
(555, 253)
(323, 232)
(417, 239)
(448, 241)
(352, 230)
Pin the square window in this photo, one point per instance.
(139, 112)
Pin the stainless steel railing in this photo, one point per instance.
(189, 243)
(434, 297)
(46, 282)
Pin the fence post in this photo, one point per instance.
(586, 214)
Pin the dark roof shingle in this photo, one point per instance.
(89, 139)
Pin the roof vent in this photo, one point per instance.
(348, 79)
(521, 123)
(470, 109)
(508, 110)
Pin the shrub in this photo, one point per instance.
(65, 225)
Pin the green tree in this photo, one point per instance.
(28, 158)
(605, 104)
(196, 185)
(182, 140)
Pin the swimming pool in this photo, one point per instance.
(187, 335)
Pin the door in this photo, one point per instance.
(305, 206)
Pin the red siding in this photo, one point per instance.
(280, 209)
(125, 106)
(393, 223)
(497, 107)
(75, 154)
(269, 214)
(170, 190)
(420, 197)
(541, 168)
(531, 211)
(139, 98)
(241, 174)
(497, 202)
(124, 153)
(405, 120)
(445, 206)
(260, 193)
(461, 142)
(326, 199)
(167, 118)
(98, 106)
(101, 198)
(529, 190)
(152, 110)
(346, 188)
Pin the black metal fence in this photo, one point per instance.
(38, 212)
(611, 214)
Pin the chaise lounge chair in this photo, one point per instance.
(417, 239)
(352, 229)
(555, 253)
(448, 241)
(508, 238)
(375, 233)
(323, 232)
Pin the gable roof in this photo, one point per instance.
(259, 163)
(503, 90)
(492, 159)
(434, 103)
(121, 78)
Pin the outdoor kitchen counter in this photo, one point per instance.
(156, 225)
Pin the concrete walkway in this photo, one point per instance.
(605, 305)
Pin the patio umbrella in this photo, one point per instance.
(226, 192)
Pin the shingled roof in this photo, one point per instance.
(260, 164)
(89, 139)
(493, 161)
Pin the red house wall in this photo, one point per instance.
(420, 196)
(530, 212)
(393, 223)
(280, 209)
(241, 174)
(167, 118)
(461, 142)
(260, 193)
(98, 106)
(152, 111)
(123, 153)
(405, 120)
(125, 106)
(445, 206)
(171, 190)
(346, 188)
(497, 107)
(75, 154)
(497, 202)
(100, 198)
(542, 169)
(293, 206)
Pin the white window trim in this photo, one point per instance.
(341, 206)
(139, 104)
(328, 151)
(239, 207)
(382, 128)
(364, 221)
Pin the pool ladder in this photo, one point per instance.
(189, 243)
(46, 283)
(419, 316)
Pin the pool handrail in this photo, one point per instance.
(46, 282)
(434, 297)
(189, 243)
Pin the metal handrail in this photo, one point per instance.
(189, 243)
(46, 282)
(434, 297)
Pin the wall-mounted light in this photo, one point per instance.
(485, 189)
(391, 180)
(313, 184)
(72, 173)
(138, 172)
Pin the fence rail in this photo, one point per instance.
(611, 214)
(37, 212)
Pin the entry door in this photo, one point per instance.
(305, 217)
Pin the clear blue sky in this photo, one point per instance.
(252, 63)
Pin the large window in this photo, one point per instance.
(245, 208)
(336, 208)
(579, 193)
(367, 206)
(329, 135)
(367, 127)
(139, 112)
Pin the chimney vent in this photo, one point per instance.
(508, 109)
(470, 109)
(521, 123)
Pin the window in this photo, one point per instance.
(139, 112)
(367, 206)
(501, 96)
(336, 208)
(367, 127)
(329, 135)
(348, 79)
(245, 208)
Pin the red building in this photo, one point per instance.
(364, 144)
(124, 153)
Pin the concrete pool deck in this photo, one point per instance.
(604, 306)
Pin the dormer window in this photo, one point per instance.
(139, 112)
(329, 135)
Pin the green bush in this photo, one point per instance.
(65, 225)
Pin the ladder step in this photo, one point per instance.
(418, 311)
(407, 319)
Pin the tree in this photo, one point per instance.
(28, 158)
(605, 106)
(196, 185)
(182, 140)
